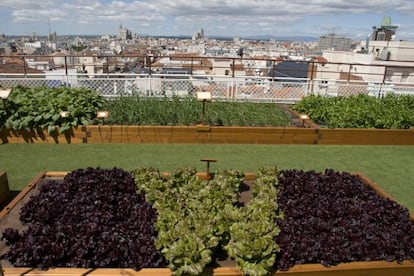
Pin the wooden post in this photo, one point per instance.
(207, 175)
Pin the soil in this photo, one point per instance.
(294, 116)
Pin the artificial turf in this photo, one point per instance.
(389, 166)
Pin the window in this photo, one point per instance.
(404, 76)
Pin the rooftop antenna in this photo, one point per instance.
(50, 28)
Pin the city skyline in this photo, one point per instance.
(242, 18)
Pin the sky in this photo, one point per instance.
(232, 18)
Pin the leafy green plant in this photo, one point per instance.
(40, 107)
(197, 217)
(193, 215)
(360, 111)
(253, 234)
(140, 110)
(3, 116)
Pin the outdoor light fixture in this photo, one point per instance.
(304, 117)
(64, 114)
(4, 94)
(204, 97)
(102, 114)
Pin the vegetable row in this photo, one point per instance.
(42, 107)
(359, 111)
(113, 218)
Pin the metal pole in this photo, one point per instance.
(66, 70)
(66, 65)
(204, 112)
(24, 67)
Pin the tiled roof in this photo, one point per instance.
(321, 59)
(14, 68)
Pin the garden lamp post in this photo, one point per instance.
(4, 94)
(64, 114)
(304, 117)
(208, 161)
(203, 97)
(102, 115)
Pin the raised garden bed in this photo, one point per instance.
(107, 134)
(358, 120)
(10, 213)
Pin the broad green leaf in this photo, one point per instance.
(51, 129)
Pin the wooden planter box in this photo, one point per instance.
(39, 135)
(200, 134)
(353, 136)
(345, 269)
(204, 134)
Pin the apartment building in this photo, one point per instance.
(334, 42)
(377, 60)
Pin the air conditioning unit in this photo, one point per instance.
(385, 54)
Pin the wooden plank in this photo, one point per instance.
(262, 135)
(4, 188)
(378, 189)
(56, 174)
(215, 134)
(59, 272)
(16, 271)
(374, 268)
(195, 134)
(223, 271)
(131, 272)
(75, 136)
(366, 137)
(22, 194)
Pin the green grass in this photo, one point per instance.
(389, 166)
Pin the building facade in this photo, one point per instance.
(334, 42)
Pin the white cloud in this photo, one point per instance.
(34, 16)
(242, 16)
(40, 5)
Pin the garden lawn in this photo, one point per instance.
(389, 166)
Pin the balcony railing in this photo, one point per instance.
(287, 90)
(264, 83)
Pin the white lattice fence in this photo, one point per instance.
(223, 88)
(30, 82)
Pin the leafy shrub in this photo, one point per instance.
(360, 111)
(40, 107)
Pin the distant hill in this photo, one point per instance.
(253, 37)
(279, 38)
(218, 37)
